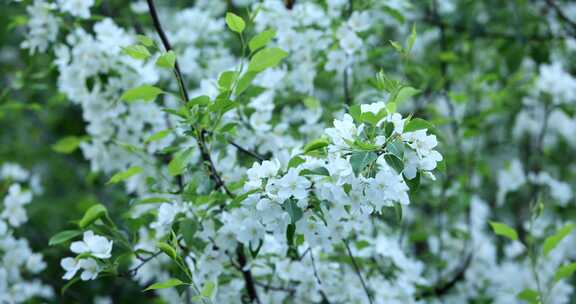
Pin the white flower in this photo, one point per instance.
(344, 130)
(78, 8)
(359, 21)
(35, 263)
(337, 61)
(91, 269)
(14, 211)
(292, 184)
(71, 266)
(349, 41)
(97, 246)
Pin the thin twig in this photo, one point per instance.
(320, 289)
(200, 136)
(358, 272)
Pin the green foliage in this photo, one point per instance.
(166, 284)
(266, 58)
(67, 144)
(141, 93)
(551, 242)
(167, 60)
(504, 230)
(137, 51)
(235, 23)
(63, 236)
(92, 214)
(261, 40)
(124, 175)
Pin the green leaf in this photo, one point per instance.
(226, 80)
(92, 214)
(63, 236)
(137, 51)
(397, 46)
(293, 210)
(158, 135)
(168, 250)
(208, 289)
(398, 212)
(188, 228)
(167, 60)
(404, 93)
(411, 39)
(394, 162)
(166, 284)
(261, 40)
(551, 242)
(316, 171)
(529, 295)
(235, 23)
(124, 175)
(565, 271)
(244, 82)
(266, 58)
(143, 92)
(417, 124)
(504, 230)
(202, 100)
(359, 160)
(315, 145)
(67, 144)
(144, 40)
(179, 162)
(295, 162)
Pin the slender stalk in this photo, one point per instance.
(358, 272)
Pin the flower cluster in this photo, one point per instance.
(18, 263)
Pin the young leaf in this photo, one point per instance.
(235, 23)
(63, 236)
(167, 60)
(179, 162)
(266, 58)
(158, 135)
(261, 40)
(315, 145)
(405, 93)
(529, 295)
(551, 242)
(504, 230)
(411, 39)
(124, 175)
(143, 92)
(144, 40)
(137, 51)
(166, 284)
(226, 80)
(92, 214)
(67, 144)
(168, 250)
(565, 271)
(417, 124)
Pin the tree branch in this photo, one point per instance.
(358, 272)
